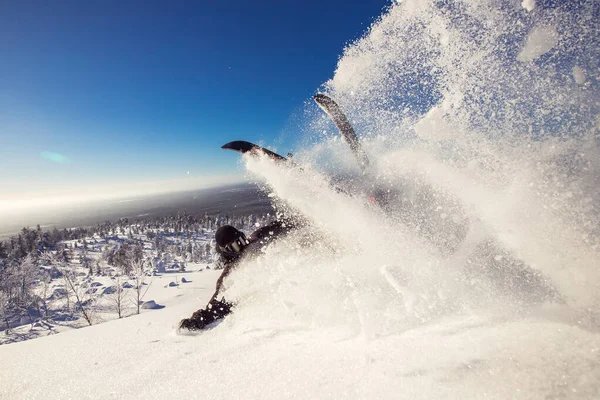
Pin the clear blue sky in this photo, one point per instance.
(93, 92)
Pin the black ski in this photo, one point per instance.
(245, 147)
(340, 120)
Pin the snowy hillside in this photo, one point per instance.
(98, 273)
(252, 356)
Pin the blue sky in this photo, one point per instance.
(99, 92)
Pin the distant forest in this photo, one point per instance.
(33, 258)
(33, 242)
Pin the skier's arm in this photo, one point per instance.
(219, 284)
(275, 229)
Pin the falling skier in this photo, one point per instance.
(233, 247)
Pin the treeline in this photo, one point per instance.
(32, 242)
(33, 257)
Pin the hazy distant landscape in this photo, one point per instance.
(232, 199)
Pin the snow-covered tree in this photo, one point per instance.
(118, 296)
(83, 301)
(139, 276)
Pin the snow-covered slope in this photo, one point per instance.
(141, 357)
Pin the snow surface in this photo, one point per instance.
(142, 357)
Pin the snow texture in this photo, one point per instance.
(142, 357)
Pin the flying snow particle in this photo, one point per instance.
(434, 126)
(579, 75)
(541, 40)
(445, 40)
(529, 5)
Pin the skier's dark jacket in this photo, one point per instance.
(217, 309)
(258, 239)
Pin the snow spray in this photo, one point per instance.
(481, 123)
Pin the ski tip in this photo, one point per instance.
(322, 99)
(244, 147)
(236, 144)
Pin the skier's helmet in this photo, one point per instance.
(230, 241)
